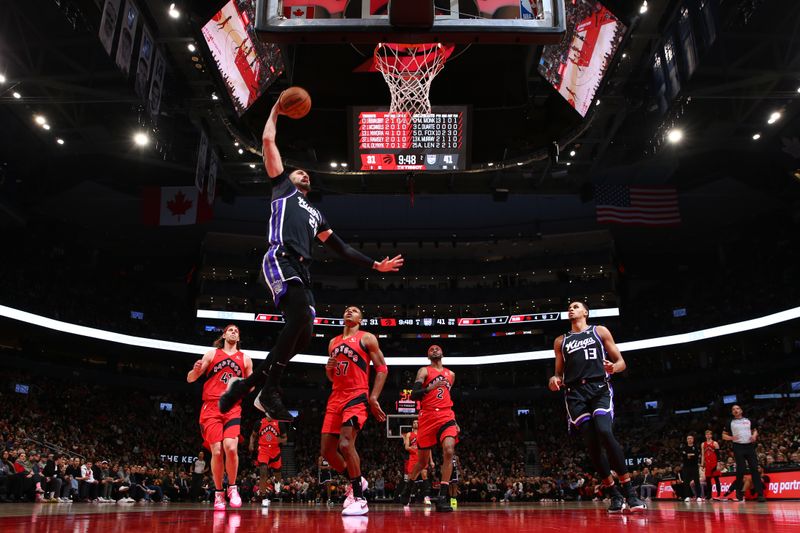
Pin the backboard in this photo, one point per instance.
(367, 21)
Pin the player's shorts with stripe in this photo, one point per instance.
(341, 410)
(216, 426)
(280, 269)
(270, 458)
(434, 426)
(585, 400)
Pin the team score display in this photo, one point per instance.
(401, 141)
(406, 161)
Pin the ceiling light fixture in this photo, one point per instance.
(191, 47)
(173, 12)
(141, 139)
(60, 141)
(643, 9)
(756, 136)
(46, 126)
(3, 79)
(774, 117)
(675, 136)
(40, 120)
(16, 95)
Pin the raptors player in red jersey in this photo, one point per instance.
(220, 365)
(410, 445)
(710, 464)
(437, 422)
(269, 439)
(348, 368)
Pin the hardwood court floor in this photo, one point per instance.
(662, 517)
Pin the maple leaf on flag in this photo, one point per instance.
(179, 205)
(298, 12)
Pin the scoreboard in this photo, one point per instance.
(384, 141)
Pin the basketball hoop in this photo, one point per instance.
(409, 70)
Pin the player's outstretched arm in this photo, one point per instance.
(615, 363)
(557, 381)
(348, 253)
(381, 372)
(272, 157)
(200, 366)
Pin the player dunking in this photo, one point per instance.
(585, 359)
(269, 439)
(348, 368)
(437, 422)
(293, 225)
(221, 365)
(410, 445)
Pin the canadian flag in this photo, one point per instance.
(175, 206)
(298, 12)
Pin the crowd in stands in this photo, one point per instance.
(97, 443)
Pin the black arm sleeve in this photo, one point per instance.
(345, 251)
(417, 392)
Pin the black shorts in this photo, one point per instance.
(280, 269)
(585, 400)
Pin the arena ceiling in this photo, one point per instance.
(51, 56)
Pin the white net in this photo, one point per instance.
(409, 70)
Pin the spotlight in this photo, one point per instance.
(624, 55)
(173, 12)
(568, 163)
(60, 141)
(490, 164)
(343, 165)
(774, 117)
(40, 120)
(252, 165)
(141, 139)
(16, 95)
(756, 136)
(46, 126)
(191, 47)
(572, 153)
(675, 136)
(643, 9)
(241, 151)
(3, 79)
(214, 96)
(334, 164)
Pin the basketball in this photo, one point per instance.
(294, 102)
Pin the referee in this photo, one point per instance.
(744, 434)
(293, 226)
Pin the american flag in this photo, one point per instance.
(647, 206)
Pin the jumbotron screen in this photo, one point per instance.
(246, 64)
(576, 67)
(384, 141)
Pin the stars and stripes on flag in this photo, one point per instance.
(637, 205)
